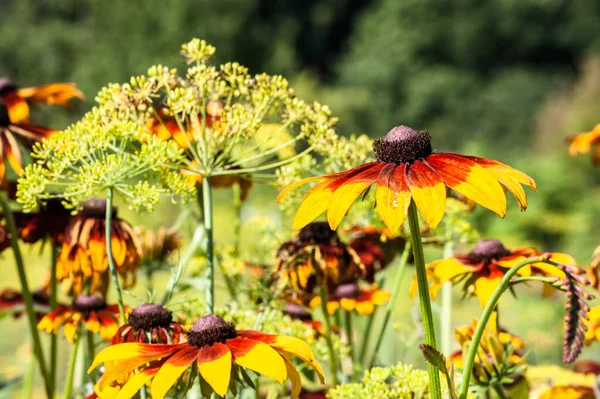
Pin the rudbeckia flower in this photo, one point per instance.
(583, 142)
(482, 269)
(10, 131)
(83, 259)
(569, 392)
(218, 350)
(158, 244)
(12, 301)
(17, 100)
(317, 253)
(49, 222)
(152, 324)
(89, 310)
(593, 326)
(352, 297)
(406, 169)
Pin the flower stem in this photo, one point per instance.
(423, 285)
(390, 305)
(499, 391)
(29, 379)
(91, 352)
(109, 254)
(446, 316)
(237, 217)
(485, 317)
(27, 297)
(53, 305)
(349, 336)
(332, 360)
(72, 361)
(208, 229)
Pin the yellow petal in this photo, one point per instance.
(135, 383)
(484, 288)
(365, 307)
(446, 269)
(313, 204)
(132, 350)
(392, 196)
(428, 191)
(294, 377)
(170, 372)
(217, 370)
(258, 357)
(298, 348)
(348, 304)
(302, 182)
(471, 180)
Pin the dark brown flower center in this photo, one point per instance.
(96, 208)
(6, 86)
(4, 118)
(317, 233)
(297, 312)
(89, 303)
(209, 330)
(402, 145)
(349, 290)
(490, 249)
(148, 316)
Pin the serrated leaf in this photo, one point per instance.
(434, 357)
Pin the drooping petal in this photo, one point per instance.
(258, 357)
(348, 304)
(18, 109)
(131, 350)
(428, 191)
(135, 383)
(509, 177)
(214, 364)
(294, 377)
(471, 180)
(581, 143)
(170, 372)
(446, 269)
(52, 94)
(484, 288)
(392, 196)
(365, 307)
(315, 202)
(347, 193)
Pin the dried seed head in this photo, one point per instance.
(317, 233)
(210, 329)
(6, 86)
(148, 316)
(4, 118)
(490, 249)
(403, 145)
(349, 290)
(89, 303)
(297, 312)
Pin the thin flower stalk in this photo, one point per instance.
(210, 256)
(425, 301)
(330, 349)
(26, 292)
(485, 317)
(446, 315)
(350, 337)
(53, 304)
(390, 305)
(111, 261)
(72, 364)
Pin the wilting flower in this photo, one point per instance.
(218, 349)
(593, 331)
(83, 259)
(90, 310)
(11, 133)
(482, 269)
(152, 324)
(406, 168)
(17, 100)
(157, 245)
(49, 221)
(500, 356)
(317, 253)
(582, 143)
(351, 297)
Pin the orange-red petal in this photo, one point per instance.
(214, 365)
(393, 196)
(428, 191)
(172, 369)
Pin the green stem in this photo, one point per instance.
(350, 338)
(499, 391)
(29, 379)
(366, 336)
(53, 305)
(72, 362)
(26, 292)
(91, 348)
(485, 317)
(390, 305)
(208, 228)
(331, 350)
(423, 285)
(109, 254)
(237, 217)
(446, 316)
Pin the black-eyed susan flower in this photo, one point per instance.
(83, 259)
(317, 253)
(583, 142)
(152, 324)
(405, 169)
(351, 297)
(90, 311)
(157, 244)
(11, 133)
(17, 99)
(12, 301)
(593, 326)
(482, 269)
(49, 221)
(218, 350)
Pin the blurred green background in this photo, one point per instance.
(505, 79)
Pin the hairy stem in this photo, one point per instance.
(109, 254)
(26, 292)
(426, 313)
